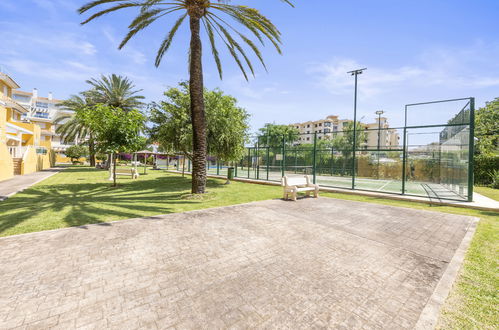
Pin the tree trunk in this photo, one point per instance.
(109, 160)
(197, 110)
(114, 169)
(91, 151)
(183, 166)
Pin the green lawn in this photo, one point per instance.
(81, 195)
(488, 192)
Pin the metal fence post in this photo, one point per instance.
(218, 167)
(283, 161)
(332, 161)
(404, 152)
(257, 159)
(268, 157)
(354, 149)
(249, 161)
(471, 150)
(314, 164)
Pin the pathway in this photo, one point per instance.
(271, 264)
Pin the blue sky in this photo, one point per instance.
(414, 51)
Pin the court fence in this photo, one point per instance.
(433, 160)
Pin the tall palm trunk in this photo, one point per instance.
(197, 110)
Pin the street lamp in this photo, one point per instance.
(355, 73)
(379, 113)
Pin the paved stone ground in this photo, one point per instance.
(20, 182)
(273, 264)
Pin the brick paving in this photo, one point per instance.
(274, 264)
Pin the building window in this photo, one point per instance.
(327, 130)
(308, 132)
(308, 126)
(315, 125)
(320, 131)
(320, 124)
(335, 128)
(320, 137)
(308, 139)
(327, 124)
(42, 105)
(39, 114)
(345, 123)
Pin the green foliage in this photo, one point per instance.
(115, 129)
(487, 129)
(210, 14)
(486, 168)
(226, 123)
(273, 135)
(101, 156)
(115, 91)
(76, 152)
(343, 142)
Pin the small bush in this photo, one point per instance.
(486, 170)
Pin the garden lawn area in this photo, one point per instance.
(474, 300)
(488, 192)
(83, 195)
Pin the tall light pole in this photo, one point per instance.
(379, 113)
(355, 73)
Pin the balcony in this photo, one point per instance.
(10, 103)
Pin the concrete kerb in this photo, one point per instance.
(430, 314)
(406, 198)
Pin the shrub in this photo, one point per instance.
(486, 170)
(76, 152)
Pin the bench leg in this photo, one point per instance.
(316, 193)
(294, 195)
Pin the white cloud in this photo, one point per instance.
(67, 70)
(436, 68)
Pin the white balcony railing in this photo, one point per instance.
(17, 151)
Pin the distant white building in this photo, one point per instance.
(44, 111)
(332, 126)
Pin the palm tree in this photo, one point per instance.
(72, 129)
(116, 91)
(214, 17)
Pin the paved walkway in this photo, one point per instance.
(20, 182)
(272, 264)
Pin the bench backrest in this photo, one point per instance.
(301, 180)
(125, 170)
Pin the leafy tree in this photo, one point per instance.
(116, 130)
(76, 152)
(227, 124)
(343, 142)
(487, 129)
(72, 129)
(214, 17)
(112, 90)
(272, 135)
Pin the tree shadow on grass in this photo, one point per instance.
(80, 203)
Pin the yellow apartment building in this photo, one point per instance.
(27, 133)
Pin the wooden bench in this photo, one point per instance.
(292, 185)
(132, 172)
